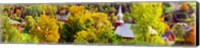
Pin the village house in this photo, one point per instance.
(16, 24)
(63, 16)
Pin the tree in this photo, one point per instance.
(190, 36)
(46, 29)
(33, 10)
(84, 37)
(85, 27)
(76, 9)
(147, 14)
(48, 9)
(9, 33)
(29, 22)
(73, 25)
(26, 38)
(184, 7)
(96, 29)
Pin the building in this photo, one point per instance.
(125, 31)
(121, 28)
(119, 20)
(16, 24)
(63, 18)
(169, 37)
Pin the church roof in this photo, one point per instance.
(124, 30)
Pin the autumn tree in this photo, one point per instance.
(46, 29)
(9, 32)
(85, 27)
(33, 10)
(147, 15)
(49, 9)
(74, 9)
(97, 26)
(29, 22)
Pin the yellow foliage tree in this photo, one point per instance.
(76, 9)
(49, 9)
(46, 29)
(96, 27)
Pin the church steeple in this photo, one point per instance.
(119, 20)
(120, 15)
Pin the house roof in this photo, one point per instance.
(124, 30)
(185, 25)
(14, 21)
(168, 33)
(63, 17)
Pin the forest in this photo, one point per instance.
(158, 23)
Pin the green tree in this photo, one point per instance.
(9, 32)
(33, 10)
(147, 14)
(49, 9)
(29, 22)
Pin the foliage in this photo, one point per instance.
(76, 9)
(85, 37)
(94, 25)
(33, 10)
(15, 17)
(113, 18)
(179, 32)
(46, 30)
(167, 7)
(190, 36)
(9, 32)
(148, 14)
(29, 22)
(127, 17)
(26, 38)
(8, 9)
(193, 5)
(184, 7)
(49, 9)
(73, 24)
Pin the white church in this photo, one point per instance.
(121, 28)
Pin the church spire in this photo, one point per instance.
(119, 20)
(120, 15)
